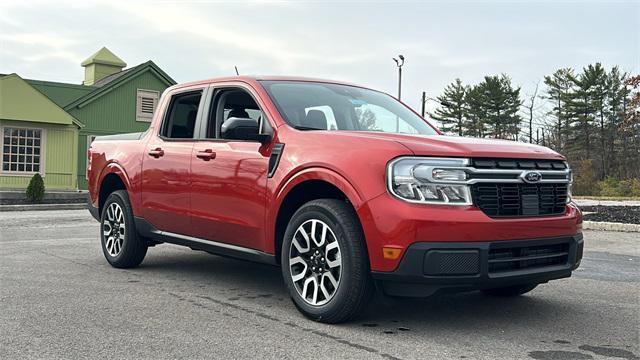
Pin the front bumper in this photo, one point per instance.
(432, 267)
(389, 222)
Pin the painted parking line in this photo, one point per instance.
(48, 240)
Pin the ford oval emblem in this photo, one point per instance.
(531, 176)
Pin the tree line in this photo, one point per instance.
(591, 116)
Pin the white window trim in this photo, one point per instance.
(43, 144)
(140, 116)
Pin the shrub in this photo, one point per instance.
(619, 188)
(35, 190)
(635, 187)
(609, 187)
(585, 178)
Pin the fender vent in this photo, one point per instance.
(274, 159)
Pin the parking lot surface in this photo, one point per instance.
(60, 299)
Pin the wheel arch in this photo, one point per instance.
(305, 186)
(113, 178)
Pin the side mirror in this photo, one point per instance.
(243, 129)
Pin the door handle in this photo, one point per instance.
(156, 153)
(206, 155)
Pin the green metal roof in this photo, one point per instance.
(104, 56)
(67, 96)
(113, 81)
(62, 94)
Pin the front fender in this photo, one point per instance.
(352, 193)
(323, 174)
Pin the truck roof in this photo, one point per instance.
(255, 78)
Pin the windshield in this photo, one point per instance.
(322, 106)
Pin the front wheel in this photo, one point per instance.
(121, 245)
(325, 263)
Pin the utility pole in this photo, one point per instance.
(399, 63)
(426, 98)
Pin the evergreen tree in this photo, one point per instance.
(582, 112)
(618, 146)
(475, 112)
(501, 102)
(559, 89)
(452, 116)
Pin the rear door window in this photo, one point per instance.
(180, 119)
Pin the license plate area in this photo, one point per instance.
(530, 204)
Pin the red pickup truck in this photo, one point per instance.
(345, 188)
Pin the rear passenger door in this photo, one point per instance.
(229, 177)
(166, 164)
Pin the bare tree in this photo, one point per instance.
(530, 107)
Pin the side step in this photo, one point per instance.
(147, 230)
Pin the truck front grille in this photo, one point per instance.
(527, 257)
(504, 200)
(499, 189)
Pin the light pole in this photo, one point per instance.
(399, 63)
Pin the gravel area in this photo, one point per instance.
(619, 214)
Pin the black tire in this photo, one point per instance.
(355, 287)
(509, 291)
(133, 248)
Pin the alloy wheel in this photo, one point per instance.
(315, 262)
(114, 229)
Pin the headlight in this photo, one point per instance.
(429, 180)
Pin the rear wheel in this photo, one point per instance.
(325, 263)
(510, 290)
(121, 245)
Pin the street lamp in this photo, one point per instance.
(399, 63)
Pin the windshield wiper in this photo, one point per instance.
(299, 127)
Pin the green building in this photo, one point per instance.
(47, 126)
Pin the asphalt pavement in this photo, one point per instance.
(60, 299)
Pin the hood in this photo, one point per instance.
(441, 145)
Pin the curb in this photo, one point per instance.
(610, 226)
(38, 207)
(593, 202)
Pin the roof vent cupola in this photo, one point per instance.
(101, 64)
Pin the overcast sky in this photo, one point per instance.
(352, 41)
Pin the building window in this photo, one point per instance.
(146, 103)
(22, 150)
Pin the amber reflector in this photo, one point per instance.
(391, 253)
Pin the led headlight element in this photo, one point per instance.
(430, 180)
(446, 174)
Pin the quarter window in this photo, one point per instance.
(21, 150)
